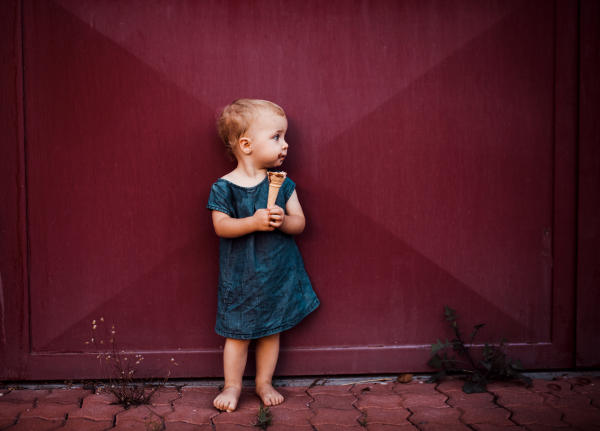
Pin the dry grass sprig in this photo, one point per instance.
(120, 369)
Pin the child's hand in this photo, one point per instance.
(276, 215)
(262, 221)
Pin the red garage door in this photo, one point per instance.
(432, 143)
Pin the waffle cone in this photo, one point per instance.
(273, 192)
(276, 179)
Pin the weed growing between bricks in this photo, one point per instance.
(153, 425)
(119, 370)
(363, 419)
(264, 417)
(494, 366)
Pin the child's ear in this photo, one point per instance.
(244, 145)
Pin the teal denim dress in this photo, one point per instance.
(263, 286)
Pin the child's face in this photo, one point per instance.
(267, 139)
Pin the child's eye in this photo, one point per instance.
(276, 137)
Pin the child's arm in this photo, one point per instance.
(228, 227)
(292, 223)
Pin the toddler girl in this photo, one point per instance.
(263, 287)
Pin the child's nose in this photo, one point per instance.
(285, 145)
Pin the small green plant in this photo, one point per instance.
(493, 366)
(363, 419)
(119, 370)
(153, 425)
(264, 417)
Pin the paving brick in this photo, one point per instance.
(329, 427)
(523, 415)
(238, 417)
(427, 415)
(575, 401)
(450, 384)
(283, 416)
(493, 416)
(288, 391)
(96, 412)
(416, 387)
(436, 400)
(87, 425)
(26, 396)
(339, 402)
(592, 389)
(397, 416)
(291, 428)
(234, 427)
(373, 389)
(298, 402)
(207, 389)
(49, 411)
(192, 415)
(534, 427)
(184, 426)
(483, 400)
(65, 396)
(540, 385)
(515, 398)
(248, 400)
(392, 401)
(438, 427)
(512, 385)
(588, 382)
(329, 390)
(199, 398)
(486, 427)
(164, 397)
(335, 417)
(6, 422)
(384, 427)
(143, 413)
(579, 418)
(100, 397)
(35, 424)
(13, 410)
(130, 426)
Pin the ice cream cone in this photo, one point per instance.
(276, 179)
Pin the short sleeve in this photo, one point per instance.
(220, 199)
(288, 188)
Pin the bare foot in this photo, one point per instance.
(228, 399)
(269, 396)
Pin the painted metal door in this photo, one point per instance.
(432, 143)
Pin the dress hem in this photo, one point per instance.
(268, 332)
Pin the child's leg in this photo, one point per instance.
(234, 361)
(267, 351)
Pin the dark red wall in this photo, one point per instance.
(434, 146)
(588, 238)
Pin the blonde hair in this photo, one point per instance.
(237, 118)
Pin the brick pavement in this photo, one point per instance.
(562, 404)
